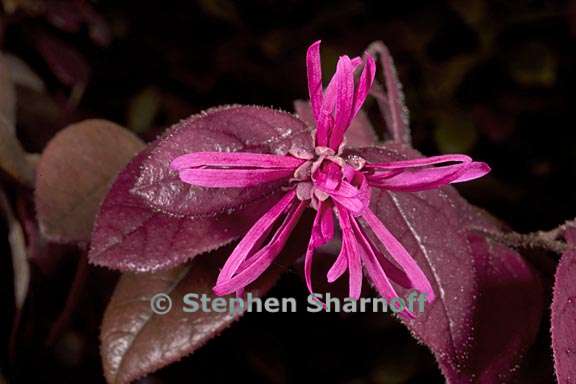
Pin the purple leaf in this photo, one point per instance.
(151, 220)
(137, 342)
(509, 310)
(564, 313)
(360, 134)
(74, 173)
(489, 301)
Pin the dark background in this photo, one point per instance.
(494, 79)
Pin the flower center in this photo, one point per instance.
(322, 172)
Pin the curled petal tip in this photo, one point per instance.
(407, 315)
(175, 164)
(486, 168)
(219, 291)
(430, 296)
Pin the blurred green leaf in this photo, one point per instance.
(220, 9)
(143, 109)
(454, 133)
(532, 65)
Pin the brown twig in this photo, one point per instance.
(72, 300)
(546, 240)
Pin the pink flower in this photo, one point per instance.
(336, 186)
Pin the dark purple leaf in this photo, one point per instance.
(359, 134)
(564, 313)
(489, 301)
(509, 310)
(136, 342)
(67, 64)
(151, 220)
(74, 173)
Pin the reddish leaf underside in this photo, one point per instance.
(564, 314)
(489, 301)
(151, 220)
(74, 173)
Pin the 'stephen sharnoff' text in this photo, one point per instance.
(194, 302)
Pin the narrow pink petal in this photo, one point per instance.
(331, 97)
(364, 84)
(232, 178)
(393, 272)
(350, 244)
(344, 101)
(252, 269)
(339, 266)
(317, 239)
(356, 61)
(419, 179)
(326, 221)
(352, 204)
(399, 254)
(314, 72)
(377, 275)
(354, 270)
(416, 179)
(331, 92)
(254, 236)
(326, 120)
(234, 159)
(324, 126)
(420, 162)
(345, 189)
(354, 198)
(473, 171)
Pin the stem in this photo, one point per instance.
(546, 240)
(71, 301)
(390, 101)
